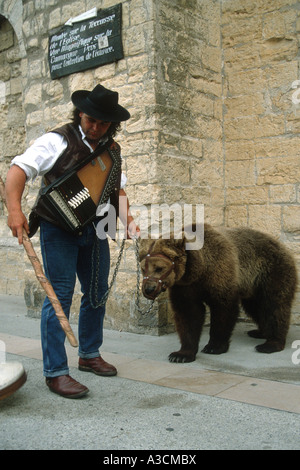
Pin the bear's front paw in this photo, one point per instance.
(215, 349)
(179, 356)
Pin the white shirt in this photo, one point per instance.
(41, 156)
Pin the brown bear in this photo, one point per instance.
(234, 266)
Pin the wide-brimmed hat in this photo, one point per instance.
(100, 103)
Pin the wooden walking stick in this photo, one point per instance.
(45, 283)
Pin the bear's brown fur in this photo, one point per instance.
(234, 266)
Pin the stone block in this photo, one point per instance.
(266, 218)
(278, 170)
(6, 39)
(246, 105)
(254, 127)
(246, 195)
(33, 95)
(274, 49)
(286, 193)
(55, 19)
(240, 173)
(236, 216)
(291, 219)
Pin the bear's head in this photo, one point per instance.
(162, 263)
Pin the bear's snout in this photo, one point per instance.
(150, 290)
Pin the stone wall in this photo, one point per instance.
(209, 87)
(12, 139)
(260, 44)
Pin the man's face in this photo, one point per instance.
(94, 129)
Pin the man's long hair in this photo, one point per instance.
(113, 129)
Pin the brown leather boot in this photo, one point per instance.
(97, 365)
(67, 387)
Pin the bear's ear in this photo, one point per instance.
(178, 241)
(145, 245)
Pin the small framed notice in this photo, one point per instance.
(82, 45)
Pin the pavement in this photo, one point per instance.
(241, 400)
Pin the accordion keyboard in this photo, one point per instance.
(67, 213)
(75, 200)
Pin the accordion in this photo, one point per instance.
(72, 199)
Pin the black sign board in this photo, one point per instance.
(87, 44)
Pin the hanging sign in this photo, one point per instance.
(86, 41)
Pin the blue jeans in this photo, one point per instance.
(64, 256)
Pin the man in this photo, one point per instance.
(96, 119)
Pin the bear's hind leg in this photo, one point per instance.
(256, 334)
(252, 309)
(270, 346)
(273, 323)
(275, 290)
(276, 326)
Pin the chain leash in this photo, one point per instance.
(138, 296)
(95, 303)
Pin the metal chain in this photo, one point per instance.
(95, 278)
(137, 241)
(94, 282)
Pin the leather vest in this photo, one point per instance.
(75, 152)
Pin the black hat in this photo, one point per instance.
(100, 103)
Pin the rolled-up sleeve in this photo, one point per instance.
(41, 155)
(123, 181)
